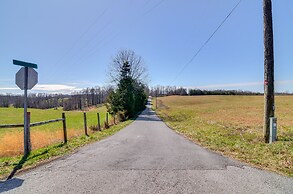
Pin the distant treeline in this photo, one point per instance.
(194, 92)
(76, 101)
(173, 90)
(167, 91)
(97, 95)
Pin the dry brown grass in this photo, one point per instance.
(242, 112)
(11, 139)
(233, 125)
(12, 142)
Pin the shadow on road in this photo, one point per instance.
(18, 166)
(27, 157)
(148, 115)
(10, 184)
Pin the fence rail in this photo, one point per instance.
(63, 119)
(46, 122)
(32, 124)
(11, 126)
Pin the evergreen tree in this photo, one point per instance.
(129, 97)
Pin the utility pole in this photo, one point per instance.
(269, 101)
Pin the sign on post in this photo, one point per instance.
(26, 78)
(25, 64)
(273, 129)
(31, 81)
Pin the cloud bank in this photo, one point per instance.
(44, 88)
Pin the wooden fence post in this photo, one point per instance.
(64, 127)
(99, 122)
(107, 119)
(85, 124)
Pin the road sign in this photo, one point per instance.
(32, 78)
(25, 64)
(26, 78)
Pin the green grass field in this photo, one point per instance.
(11, 139)
(232, 125)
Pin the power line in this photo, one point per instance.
(82, 35)
(153, 7)
(207, 41)
(94, 49)
(289, 10)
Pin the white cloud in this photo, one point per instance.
(46, 88)
(12, 88)
(53, 87)
(56, 88)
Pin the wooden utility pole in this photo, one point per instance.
(269, 101)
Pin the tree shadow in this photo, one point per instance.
(148, 115)
(29, 157)
(10, 184)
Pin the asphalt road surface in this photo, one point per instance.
(146, 157)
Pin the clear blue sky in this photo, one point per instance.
(72, 41)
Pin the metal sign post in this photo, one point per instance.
(26, 78)
(27, 142)
(273, 129)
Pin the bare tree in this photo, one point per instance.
(138, 70)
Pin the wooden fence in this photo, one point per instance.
(63, 119)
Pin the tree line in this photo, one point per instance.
(75, 101)
(173, 90)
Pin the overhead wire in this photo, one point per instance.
(207, 41)
(94, 49)
(153, 7)
(82, 35)
(289, 10)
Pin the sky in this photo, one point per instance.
(73, 42)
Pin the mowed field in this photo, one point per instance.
(11, 139)
(233, 126)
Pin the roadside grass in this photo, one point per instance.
(232, 125)
(42, 155)
(11, 139)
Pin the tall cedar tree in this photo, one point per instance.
(129, 98)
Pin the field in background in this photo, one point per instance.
(232, 125)
(11, 140)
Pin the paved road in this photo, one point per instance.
(146, 157)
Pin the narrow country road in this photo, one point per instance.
(146, 157)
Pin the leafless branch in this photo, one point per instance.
(137, 68)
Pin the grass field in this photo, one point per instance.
(11, 140)
(232, 125)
